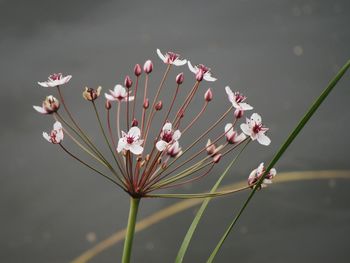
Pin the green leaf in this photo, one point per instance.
(192, 228)
(281, 151)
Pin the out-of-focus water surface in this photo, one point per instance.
(281, 54)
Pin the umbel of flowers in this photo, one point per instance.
(127, 126)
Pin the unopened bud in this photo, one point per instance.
(134, 123)
(91, 94)
(217, 158)
(208, 96)
(127, 82)
(239, 113)
(210, 147)
(180, 78)
(146, 104)
(148, 67)
(158, 106)
(137, 70)
(108, 105)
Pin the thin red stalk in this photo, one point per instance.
(144, 109)
(135, 93)
(127, 109)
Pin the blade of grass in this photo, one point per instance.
(281, 151)
(199, 214)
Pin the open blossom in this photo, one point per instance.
(258, 172)
(171, 58)
(56, 135)
(131, 141)
(232, 136)
(255, 129)
(201, 72)
(237, 100)
(168, 137)
(118, 94)
(50, 105)
(55, 80)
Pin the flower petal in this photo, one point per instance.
(136, 149)
(47, 137)
(245, 106)
(263, 139)
(57, 126)
(256, 118)
(40, 109)
(240, 137)
(134, 132)
(245, 129)
(161, 56)
(161, 145)
(192, 69)
(180, 62)
(110, 97)
(176, 135)
(121, 144)
(208, 77)
(44, 84)
(167, 126)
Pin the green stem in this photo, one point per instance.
(134, 205)
(281, 151)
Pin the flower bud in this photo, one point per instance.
(210, 147)
(239, 113)
(134, 123)
(127, 82)
(199, 75)
(158, 106)
(148, 67)
(180, 78)
(108, 105)
(91, 94)
(146, 104)
(217, 157)
(137, 70)
(208, 96)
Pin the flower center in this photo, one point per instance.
(55, 76)
(130, 139)
(53, 136)
(239, 98)
(167, 136)
(172, 56)
(257, 127)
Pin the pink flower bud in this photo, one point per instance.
(146, 104)
(108, 105)
(239, 113)
(217, 158)
(208, 96)
(158, 106)
(148, 66)
(180, 78)
(199, 75)
(134, 123)
(127, 82)
(137, 70)
(210, 147)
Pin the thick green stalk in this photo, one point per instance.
(134, 205)
(281, 151)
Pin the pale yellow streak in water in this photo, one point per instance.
(186, 204)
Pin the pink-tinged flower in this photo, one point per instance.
(255, 129)
(148, 67)
(168, 137)
(55, 80)
(201, 72)
(237, 100)
(131, 141)
(258, 172)
(171, 58)
(91, 94)
(174, 150)
(180, 78)
(56, 135)
(50, 105)
(232, 136)
(208, 95)
(118, 94)
(137, 70)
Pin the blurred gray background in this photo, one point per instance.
(280, 53)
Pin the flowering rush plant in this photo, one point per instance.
(146, 152)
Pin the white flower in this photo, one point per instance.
(118, 94)
(232, 136)
(168, 137)
(174, 150)
(171, 58)
(258, 172)
(254, 128)
(237, 100)
(56, 135)
(201, 72)
(55, 80)
(50, 105)
(131, 141)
